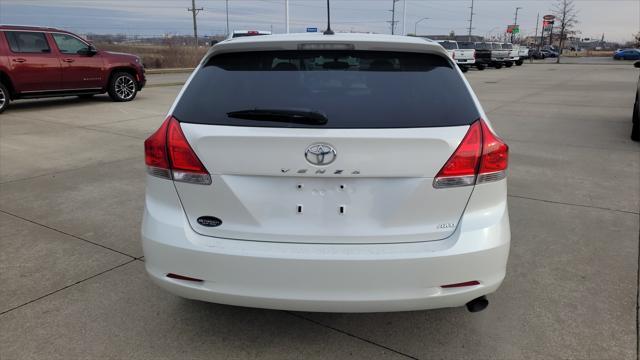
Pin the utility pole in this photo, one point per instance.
(194, 11)
(470, 21)
(286, 15)
(227, 10)
(535, 37)
(393, 17)
(515, 23)
(537, 23)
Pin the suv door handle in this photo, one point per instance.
(69, 60)
(19, 60)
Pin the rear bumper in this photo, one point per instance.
(327, 278)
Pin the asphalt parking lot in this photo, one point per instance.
(72, 276)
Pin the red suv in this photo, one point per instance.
(42, 62)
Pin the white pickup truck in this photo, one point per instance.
(523, 52)
(514, 53)
(465, 58)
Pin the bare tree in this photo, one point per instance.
(566, 14)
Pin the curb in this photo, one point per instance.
(165, 84)
(168, 71)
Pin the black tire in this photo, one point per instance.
(498, 66)
(519, 62)
(4, 97)
(508, 64)
(635, 128)
(481, 67)
(464, 69)
(122, 87)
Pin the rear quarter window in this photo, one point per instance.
(27, 42)
(353, 89)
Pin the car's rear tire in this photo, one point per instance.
(481, 67)
(508, 64)
(498, 66)
(519, 62)
(464, 69)
(4, 97)
(122, 87)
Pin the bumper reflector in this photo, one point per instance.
(463, 284)
(182, 277)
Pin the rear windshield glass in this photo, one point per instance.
(350, 89)
(466, 45)
(483, 46)
(449, 45)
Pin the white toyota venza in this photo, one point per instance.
(337, 173)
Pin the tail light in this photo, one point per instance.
(481, 157)
(168, 155)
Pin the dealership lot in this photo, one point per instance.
(72, 273)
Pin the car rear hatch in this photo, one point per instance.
(325, 146)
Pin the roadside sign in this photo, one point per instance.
(549, 17)
(312, 29)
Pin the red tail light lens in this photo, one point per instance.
(462, 166)
(168, 155)
(180, 152)
(155, 148)
(481, 157)
(495, 153)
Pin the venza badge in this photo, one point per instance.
(320, 154)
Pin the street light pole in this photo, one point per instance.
(286, 15)
(404, 17)
(415, 27)
(227, 10)
(515, 23)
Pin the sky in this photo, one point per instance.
(617, 19)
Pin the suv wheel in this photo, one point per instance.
(481, 67)
(122, 87)
(4, 97)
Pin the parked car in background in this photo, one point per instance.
(549, 53)
(514, 53)
(635, 119)
(40, 62)
(498, 54)
(274, 183)
(523, 53)
(465, 58)
(490, 55)
(537, 54)
(480, 65)
(627, 54)
(244, 33)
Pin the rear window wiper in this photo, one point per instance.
(281, 115)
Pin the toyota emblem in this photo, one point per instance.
(320, 154)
